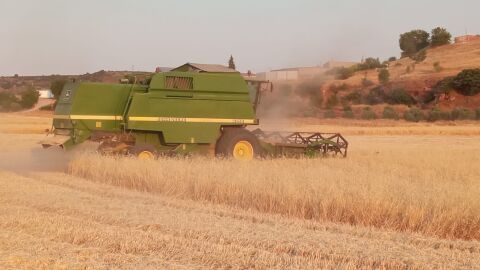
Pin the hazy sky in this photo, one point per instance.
(70, 37)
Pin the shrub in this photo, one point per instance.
(443, 86)
(348, 114)
(463, 114)
(400, 96)
(353, 97)
(467, 82)
(366, 82)
(344, 73)
(391, 59)
(7, 99)
(390, 113)
(370, 63)
(420, 56)
(329, 114)
(332, 101)
(383, 76)
(477, 114)
(440, 36)
(437, 67)
(15, 107)
(437, 114)
(375, 96)
(29, 97)
(368, 114)
(413, 115)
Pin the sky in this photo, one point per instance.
(74, 37)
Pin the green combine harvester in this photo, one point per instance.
(194, 108)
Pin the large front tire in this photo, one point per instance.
(239, 144)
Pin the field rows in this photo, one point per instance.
(51, 220)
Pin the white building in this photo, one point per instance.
(45, 93)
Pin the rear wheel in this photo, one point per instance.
(145, 152)
(238, 143)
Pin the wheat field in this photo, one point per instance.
(396, 202)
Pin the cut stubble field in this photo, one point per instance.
(397, 202)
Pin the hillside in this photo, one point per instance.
(422, 77)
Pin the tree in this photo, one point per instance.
(29, 97)
(57, 87)
(231, 63)
(391, 59)
(440, 36)
(384, 76)
(370, 63)
(413, 41)
(467, 82)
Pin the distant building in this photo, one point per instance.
(301, 73)
(45, 93)
(467, 38)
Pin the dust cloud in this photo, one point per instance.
(53, 159)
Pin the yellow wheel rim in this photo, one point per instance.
(146, 155)
(243, 150)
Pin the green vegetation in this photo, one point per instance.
(11, 103)
(368, 114)
(477, 114)
(437, 114)
(29, 97)
(440, 36)
(391, 59)
(343, 73)
(390, 113)
(413, 115)
(354, 97)
(376, 96)
(332, 101)
(8, 101)
(467, 82)
(400, 96)
(57, 86)
(420, 56)
(462, 114)
(384, 76)
(369, 63)
(367, 83)
(437, 67)
(414, 41)
(231, 63)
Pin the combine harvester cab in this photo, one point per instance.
(194, 108)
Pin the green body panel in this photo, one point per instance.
(161, 113)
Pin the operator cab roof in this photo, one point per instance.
(210, 68)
